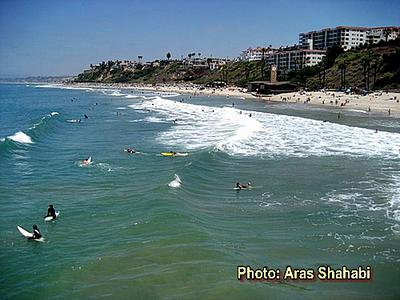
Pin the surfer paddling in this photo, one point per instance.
(130, 150)
(240, 186)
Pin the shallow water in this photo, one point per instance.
(147, 226)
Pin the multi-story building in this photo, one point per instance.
(285, 59)
(377, 34)
(254, 54)
(346, 37)
(295, 58)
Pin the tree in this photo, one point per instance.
(263, 50)
(365, 61)
(342, 68)
(209, 61)
(386, 33)
(331, 54)
(168, 55)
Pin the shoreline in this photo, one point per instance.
(377, 103)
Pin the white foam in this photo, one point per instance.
(264, 134)
(176, 182)
(59, 86)
(54, 113)
(117, 94)
(393, 189)
(20, 137)
(132, 96)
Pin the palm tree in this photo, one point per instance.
(263, 50)
(342, 68)
(209, 61)
(168, 55)
(365, 61)
(386, 33)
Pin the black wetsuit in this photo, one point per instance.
(51, 212)
(36, 234)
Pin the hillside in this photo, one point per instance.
(376, 66)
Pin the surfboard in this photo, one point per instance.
(181, 154)
(167, 154)
(49, 218)
(172, 154)
(28, 235)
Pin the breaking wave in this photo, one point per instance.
(251, 133)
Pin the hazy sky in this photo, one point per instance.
(64, 37)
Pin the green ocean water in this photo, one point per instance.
(144, 226)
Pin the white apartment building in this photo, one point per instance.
(345, 36)
(377, 34)
(295, 58)
(286, 59)
(254, 54)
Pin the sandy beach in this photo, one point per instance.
(377, 102)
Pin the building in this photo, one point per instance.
(286, 59)
(255, 54)
(346, 37)
(205, 63)
(217, 63)
(294, 58)
(377, 34)
(272, 86)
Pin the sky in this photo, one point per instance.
(64, 37)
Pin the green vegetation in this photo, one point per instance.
(366, 68)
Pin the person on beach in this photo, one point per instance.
(36, 233)
(51, 212)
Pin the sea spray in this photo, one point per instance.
(176, 182)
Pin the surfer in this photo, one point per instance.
(130, 150)
(36, 233)
(87, 161)
(51, 212)
(172, 152)
(242, 185)
(86, 117)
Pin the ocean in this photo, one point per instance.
(324, 192)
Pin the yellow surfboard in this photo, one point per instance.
(167, 154)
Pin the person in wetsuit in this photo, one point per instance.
(51, 212)
(242, 186)
(36, 233)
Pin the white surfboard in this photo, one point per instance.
(181, 154)
(49, 218)
(28, 235)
